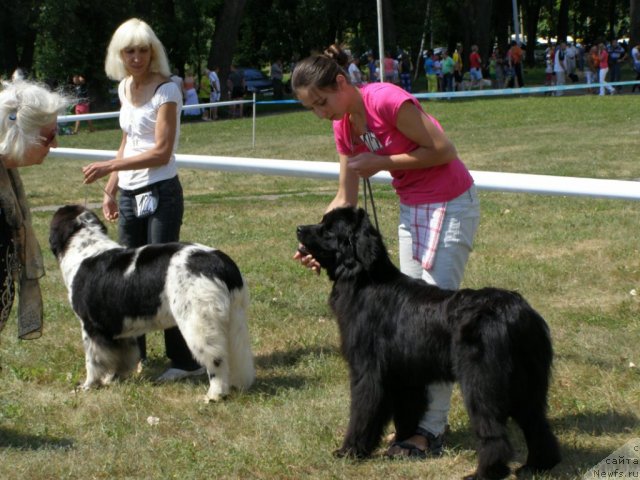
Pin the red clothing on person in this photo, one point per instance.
(604, 59)
(474, 60)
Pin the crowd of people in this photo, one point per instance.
(598, 63)
(444, 70)
(566, 61)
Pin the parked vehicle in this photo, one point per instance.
(256, 81)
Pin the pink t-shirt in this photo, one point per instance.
(382, 102)
(604, 59)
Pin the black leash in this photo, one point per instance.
(368, 192)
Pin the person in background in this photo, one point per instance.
(28, 129)
(190, 95)
(82, 97)
(458, 76)
(277, 74)
(372, 67)
(204, 93)
(437, 68)
(617, 56)
(235, 87)
(475, 66)
(381, 127)
(592, 66)
(514, 58)
(406, 67)
(550, 59)
(214, 80)
(560, 67)
(496, 68)
(390, 66)
(635, 59)
(571, 60)
(447, 71)
(432, 80)
(144, 171)
(603, 56)
(355, 74)
(177, 79)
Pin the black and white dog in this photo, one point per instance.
(120, 293)
(399, 334)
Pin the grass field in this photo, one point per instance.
(577, 261)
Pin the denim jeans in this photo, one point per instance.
(454, 246)
(162, 226)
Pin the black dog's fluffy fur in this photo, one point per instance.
(399, 334)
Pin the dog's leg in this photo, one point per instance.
(207, 338)
(94, 359)
(484, 397)
(242, 372)
(409, 405)
(544, 451)
(369, 413)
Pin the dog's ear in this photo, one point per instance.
(62, 228)
(369, 247)
(66, 222)
(90, 219)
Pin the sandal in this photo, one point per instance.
(435, 446)
(405, 450)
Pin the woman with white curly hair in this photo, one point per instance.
(28, 129)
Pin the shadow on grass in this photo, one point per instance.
(272, 382)
(290, 358)
(14, 439)
(598, 423)
(577, 458)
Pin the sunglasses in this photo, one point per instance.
(49, 139)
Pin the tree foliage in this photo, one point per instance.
(54, 39)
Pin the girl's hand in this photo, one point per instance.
(306, 259)
(365, 164)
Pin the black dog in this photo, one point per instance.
(399, 334)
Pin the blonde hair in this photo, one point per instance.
(134, 33)
(26, 107)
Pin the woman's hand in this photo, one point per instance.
(109, 208)
(307, 259)
(96, 170)
(365, 164)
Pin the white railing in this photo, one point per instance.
(493, 181)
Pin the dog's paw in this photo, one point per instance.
(217, 391)
(85, 387)
(347, 452)
(217, 398)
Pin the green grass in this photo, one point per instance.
(575, 259)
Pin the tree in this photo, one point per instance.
(634, 22)
(563, 21)
(225, 37)
(18, 26)
(531, 9)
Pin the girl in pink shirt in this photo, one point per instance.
(382, 127)
(604, 69)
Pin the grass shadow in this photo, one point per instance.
(598, 423)
(18, 440)
(290, 358)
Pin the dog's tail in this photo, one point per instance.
(531, 343)
(241, 368)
